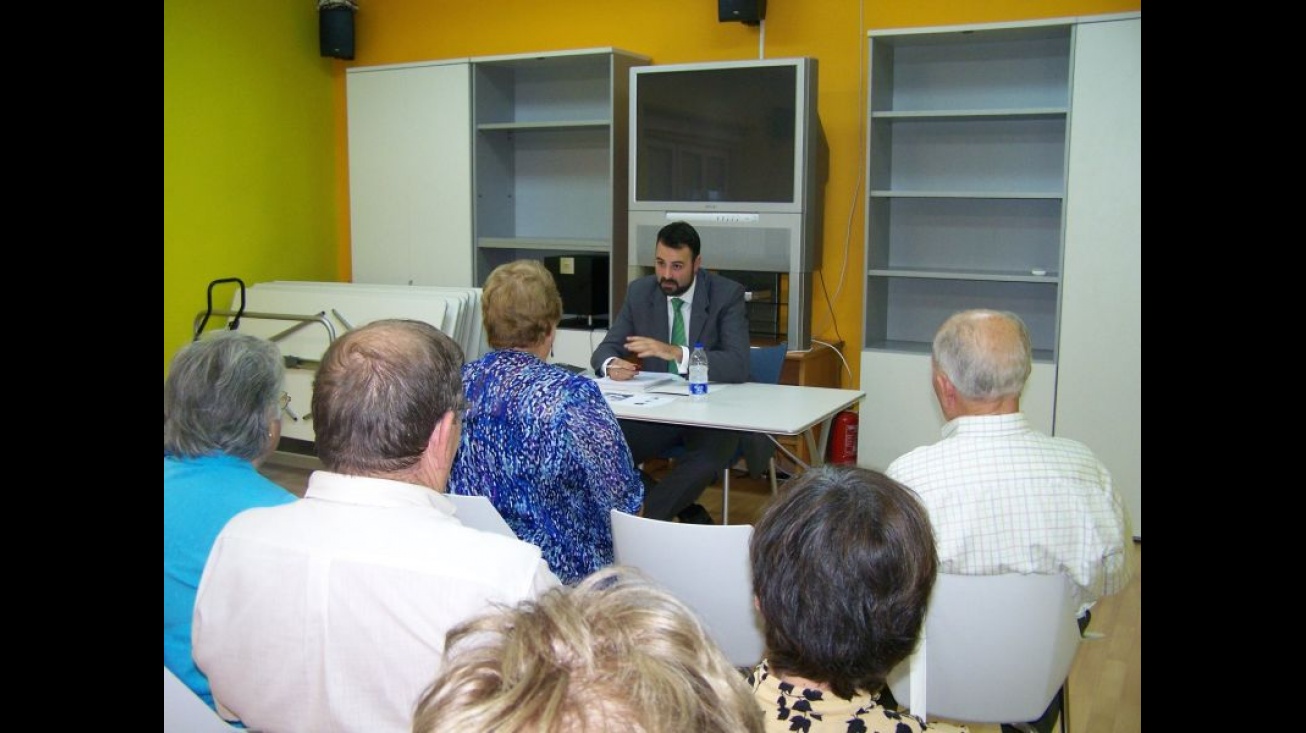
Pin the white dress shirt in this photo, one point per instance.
(329, 614)
(1005, 498)
(682, 365)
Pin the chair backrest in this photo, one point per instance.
(766, 362)
(477, 512)
(764, 365)
(706, 566)
(997, 648)
(185, 712)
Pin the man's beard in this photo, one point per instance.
(676, 289)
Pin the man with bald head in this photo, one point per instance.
(1003, 497)
(330, 613)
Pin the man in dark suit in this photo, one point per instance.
(711, 312)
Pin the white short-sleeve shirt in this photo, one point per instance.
(329, 614)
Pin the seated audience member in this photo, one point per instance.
(540, 442)
(330, 613)
(1002, 496)
(612, 653)
(843, 566)
(221, 418)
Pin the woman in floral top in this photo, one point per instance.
(540, 442)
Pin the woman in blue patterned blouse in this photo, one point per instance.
(540, 442)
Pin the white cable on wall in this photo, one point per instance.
(861, 144)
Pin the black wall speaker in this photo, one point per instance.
(335, 32)
(750, 12)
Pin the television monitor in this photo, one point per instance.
(723, 136)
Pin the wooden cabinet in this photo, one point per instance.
(819, 366)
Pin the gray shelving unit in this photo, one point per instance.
(966, 170)
(550, 157)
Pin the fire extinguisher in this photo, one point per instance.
(843, 438)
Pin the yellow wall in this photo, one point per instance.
(249, 154)
(246, 99)
(683, 31)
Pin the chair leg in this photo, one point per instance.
(725, 496)
(775, 487)
(1065, 707)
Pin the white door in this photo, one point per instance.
(410, 174)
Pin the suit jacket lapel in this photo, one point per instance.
(698, 311)
(658, 305)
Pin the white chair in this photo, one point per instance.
(995, 649)
(185, 712)
(706, 566)
(477, 512)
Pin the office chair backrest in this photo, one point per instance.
(477, 512)
(764, 365)
(185, 712)
(997, 648)
(706, 566)
(766, 362)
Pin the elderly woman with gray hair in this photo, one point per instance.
(222, 402)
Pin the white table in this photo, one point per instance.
(779, 409)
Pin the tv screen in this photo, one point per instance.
(726, 132)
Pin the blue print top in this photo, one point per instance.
(542, 444)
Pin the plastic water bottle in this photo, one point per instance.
(698, 373)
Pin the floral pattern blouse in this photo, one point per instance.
(542, 444)
(791, 708)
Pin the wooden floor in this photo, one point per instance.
(1106, 682)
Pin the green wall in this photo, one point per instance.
(249, 170)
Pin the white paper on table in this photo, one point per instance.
(682, 388)
(639, 383)
(647, 399)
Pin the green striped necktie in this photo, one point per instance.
(677, 330)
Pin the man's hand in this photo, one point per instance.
(621, 370)
(644, 347)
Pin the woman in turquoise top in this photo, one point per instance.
(540, 442)
(221, 418)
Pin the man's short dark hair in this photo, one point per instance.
(678, 235)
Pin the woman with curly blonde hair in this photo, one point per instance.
(612, 653)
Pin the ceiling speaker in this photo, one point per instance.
(750, 12)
